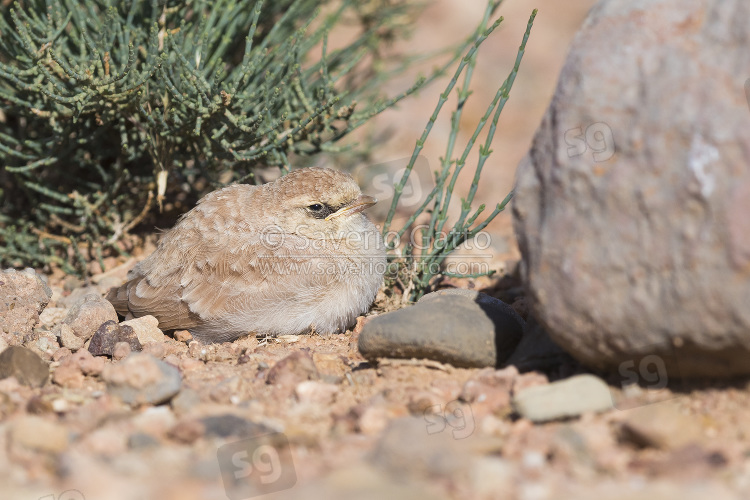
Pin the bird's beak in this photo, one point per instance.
(359, 204)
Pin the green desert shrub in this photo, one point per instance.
(110, 107)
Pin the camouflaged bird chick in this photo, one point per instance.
(275, 259)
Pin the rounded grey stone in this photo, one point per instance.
(25, 365)
(88, 314)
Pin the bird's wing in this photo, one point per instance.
(141, 298)
(196, 276)
(153, 286)
(250, 270)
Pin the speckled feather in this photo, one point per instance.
(253, 259)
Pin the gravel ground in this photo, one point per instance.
(308, 417)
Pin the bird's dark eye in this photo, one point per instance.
(319, 210)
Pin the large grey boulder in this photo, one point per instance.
(632, 208)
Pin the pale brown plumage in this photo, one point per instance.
(274, 259)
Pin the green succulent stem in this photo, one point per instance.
(420, 266)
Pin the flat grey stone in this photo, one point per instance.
(231, 425)
(463, 329)
(563, 399)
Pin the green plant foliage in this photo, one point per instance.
(416, 269)
(109, 106)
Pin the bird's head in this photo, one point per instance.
(321, 203)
